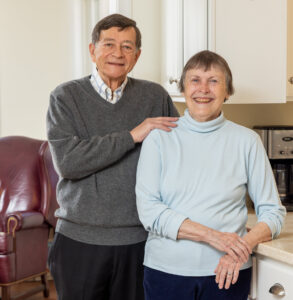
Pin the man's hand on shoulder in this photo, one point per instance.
(140, 132)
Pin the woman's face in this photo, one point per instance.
(205, 92)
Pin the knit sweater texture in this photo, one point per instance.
(96, 158)
(202, 171)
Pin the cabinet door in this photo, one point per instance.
(251, 36)
(290, 51)
(271, 273)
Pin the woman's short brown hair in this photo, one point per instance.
(205, 60)
(115, 20)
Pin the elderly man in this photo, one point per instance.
(95, 128)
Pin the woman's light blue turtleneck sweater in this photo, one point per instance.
(201, 171)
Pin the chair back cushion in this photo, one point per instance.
(20, 188)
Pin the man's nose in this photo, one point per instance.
(118, 51)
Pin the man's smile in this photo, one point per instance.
(116, 64)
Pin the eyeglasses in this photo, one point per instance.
(111, 47)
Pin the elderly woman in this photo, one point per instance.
(191, 194)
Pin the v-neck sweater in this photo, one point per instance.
(201, 171)
(96, 158)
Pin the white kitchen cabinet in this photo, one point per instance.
(273, 279)
(290, 51)
(250, 34)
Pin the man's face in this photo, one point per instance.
(115, 54)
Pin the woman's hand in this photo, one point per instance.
(231, 243)
(227, 272)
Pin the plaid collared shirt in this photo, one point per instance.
(104, 91)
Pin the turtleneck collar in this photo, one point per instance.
(188, 122)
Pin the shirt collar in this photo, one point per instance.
(104, 91)
(188, 122)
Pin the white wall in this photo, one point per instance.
(42, 45)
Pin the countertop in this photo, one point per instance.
(281, 248)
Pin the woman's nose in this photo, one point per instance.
(204, 87)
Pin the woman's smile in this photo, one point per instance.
(202, 100)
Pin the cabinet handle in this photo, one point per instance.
(172, 80)
(291, 80)
(277, 289)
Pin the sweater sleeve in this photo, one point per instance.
(76, 157)
(171, 109)
(154, 214)
(263, 191)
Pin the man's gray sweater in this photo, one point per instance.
(96, 158)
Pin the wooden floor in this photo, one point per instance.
(22, 287)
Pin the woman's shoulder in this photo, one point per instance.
(242, 134)
(240, 129)
(161, 137)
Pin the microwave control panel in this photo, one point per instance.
(280, 144)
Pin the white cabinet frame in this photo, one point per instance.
(184, 32)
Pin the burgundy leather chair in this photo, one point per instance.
(27, 204)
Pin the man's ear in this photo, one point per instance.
(137, 55)
(92, 48)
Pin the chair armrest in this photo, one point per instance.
(6, 243)
(23, 219)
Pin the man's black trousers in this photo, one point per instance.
(92, 272)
